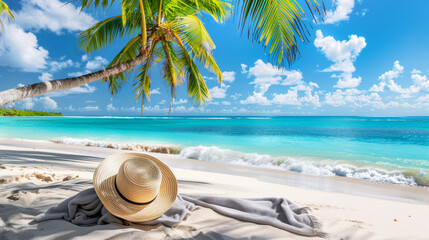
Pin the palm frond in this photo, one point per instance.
(130, 51)
(197, 87)
(5, 8)
(276, 24)
(142, 80)
(192, 32)
(171, 70)
(105, 33)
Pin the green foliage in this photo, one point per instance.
(5, 8)
(181, 43)
(277, 24)
(26, 113)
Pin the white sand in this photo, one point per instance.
(349, 208)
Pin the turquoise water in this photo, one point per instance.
(381, 149)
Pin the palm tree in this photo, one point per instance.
(171, 32)
(4, 8)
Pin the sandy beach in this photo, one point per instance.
(36, 176)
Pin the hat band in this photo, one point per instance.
(132, 202)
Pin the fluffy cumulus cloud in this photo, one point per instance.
(110, 107)
(180, 101)
(387, 80)
(219, 92)
(341, 12)
(52, 15)
(96, 63)
(45, 77)
(243, 68)
(155, 91)
(343, 54)
(265, 75)
(20, 49)
(49, 103)
(55, 66)
(228, 76)
(45, 103)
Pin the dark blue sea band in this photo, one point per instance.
(132, 202)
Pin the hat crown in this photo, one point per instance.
(139, 180)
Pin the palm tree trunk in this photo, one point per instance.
(37, 89)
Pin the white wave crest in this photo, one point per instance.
(306, 166)
(169, 149)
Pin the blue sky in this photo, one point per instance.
(369, 58)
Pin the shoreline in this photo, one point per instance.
(349, 208)
(338, 184)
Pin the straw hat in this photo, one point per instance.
(135, 186)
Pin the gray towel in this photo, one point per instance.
(86, 209)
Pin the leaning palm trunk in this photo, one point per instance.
(37, 89)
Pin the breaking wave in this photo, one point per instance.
(322, 167)
(307, 166)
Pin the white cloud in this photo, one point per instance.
(290, 98)
(228, 76)
(265, 75)
(420, 81)
(55, 66)
(70, 108)
(97, 63)
(256, 98)
(52, 15)
(110, 107)
(162, 102)
(226, 103)
(352, 96)
(415, 71)
(235, 96)
(20, 49)
(27, 103)
(341, 13)
(343, 54)
(244, 68)
(180, 101)
(155, 91)
(45, 77)
(90, 108)
(49, 103)
(387, 80)
(219, 92)
(346, 80)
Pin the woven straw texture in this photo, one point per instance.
(140, 178)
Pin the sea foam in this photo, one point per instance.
(321, 167)
(169, 149)
(306, 166)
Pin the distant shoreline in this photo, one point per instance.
(11, 112)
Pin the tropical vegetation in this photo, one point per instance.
(172, 33)
(4, 9)
(26, 113)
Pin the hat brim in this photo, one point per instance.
(104, 185)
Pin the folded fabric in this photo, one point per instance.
(86, 209)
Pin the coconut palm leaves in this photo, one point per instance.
(180, 42)
(277, 24)
(4, 9)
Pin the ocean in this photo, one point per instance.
(394, 150)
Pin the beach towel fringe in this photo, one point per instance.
(322, 234)
(306, 210)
